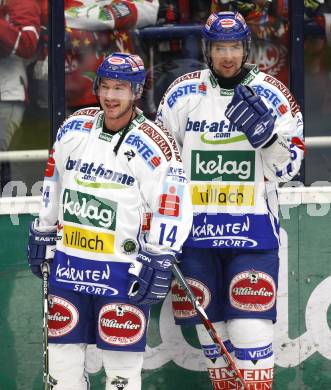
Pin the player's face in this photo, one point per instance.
(116, 99)
(227, 57)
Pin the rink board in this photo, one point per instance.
(173, 359)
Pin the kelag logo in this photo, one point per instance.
(86, 209)
(236, 165)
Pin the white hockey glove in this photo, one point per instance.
(282, 160)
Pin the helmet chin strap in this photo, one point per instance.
(125, 131)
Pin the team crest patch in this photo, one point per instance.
(181, 305)
(63, 316)
(119, 382)
(252, 291)
(129, 246)
(121, 324)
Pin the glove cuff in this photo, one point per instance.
(271, 141)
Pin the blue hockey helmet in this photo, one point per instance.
(226, 26)
(122, 66)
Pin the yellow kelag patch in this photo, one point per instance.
(222, 195)
(88, 240)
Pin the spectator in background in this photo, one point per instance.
(92, 32)
(19, 35)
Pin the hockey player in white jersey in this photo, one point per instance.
(114, 197)
(240, 132)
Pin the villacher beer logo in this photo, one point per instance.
(181, 305)
(63, 316)
(252, 291)
(121, 324)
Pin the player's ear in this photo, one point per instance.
(139, 92)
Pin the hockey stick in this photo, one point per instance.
(209, 326)
(49, 381)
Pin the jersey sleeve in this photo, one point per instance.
(51, 192)
(119, 15)
(169, 119)
(282, 158)
(20, 28)
(69, 135)
(166, 192)
(181, 96)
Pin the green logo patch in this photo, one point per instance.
(105, 136)
(86, 209)
(129, 246)
(236, 165)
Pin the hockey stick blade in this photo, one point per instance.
(209, 326)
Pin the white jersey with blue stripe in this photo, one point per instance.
(233, 186)
(109, 205)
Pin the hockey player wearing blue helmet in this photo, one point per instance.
(113, 212)
(240, 134)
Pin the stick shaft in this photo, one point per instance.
(49, 382)
(208, 325)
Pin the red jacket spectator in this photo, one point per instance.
(19, 27)
(19, 35)
(92, 31)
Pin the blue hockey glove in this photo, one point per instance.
(151, 283)
(251, 116)
(41, 247)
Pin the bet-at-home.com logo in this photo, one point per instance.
(225, 166)
(86, 209)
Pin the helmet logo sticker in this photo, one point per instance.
(116, 60)
(227, 23)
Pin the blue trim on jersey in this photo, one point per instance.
(248, 231)
(254, 353)
(212, 352)
(103, 278)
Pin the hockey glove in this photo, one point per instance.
(251, 116)
(282, 160)
(150, 282)
(41, 247)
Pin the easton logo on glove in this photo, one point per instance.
(250, 115)
(150, 283)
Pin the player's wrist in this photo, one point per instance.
(272, 140)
